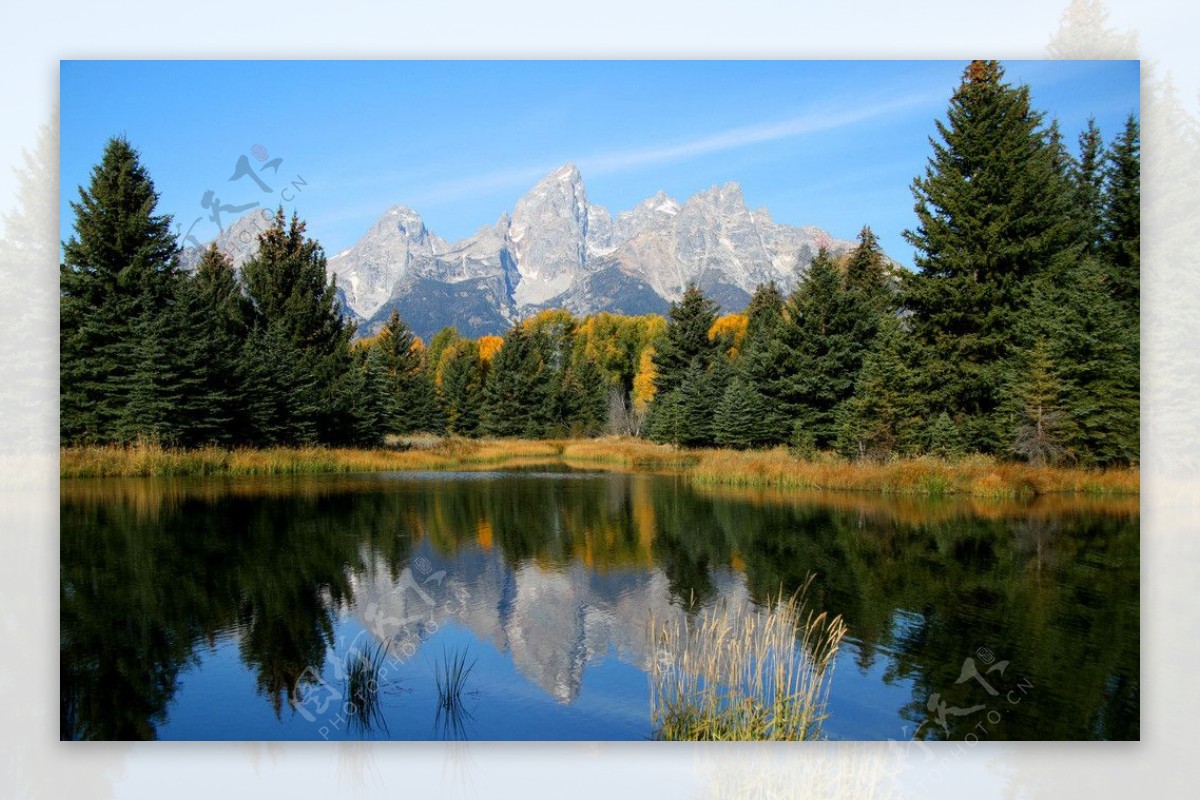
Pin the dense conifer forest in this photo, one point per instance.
(1016, 334)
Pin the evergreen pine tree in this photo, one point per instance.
(117, 276)
(943, 438)
(700, 391)
(156, 385)
(1122, 218)
(517, 394)
(282, 401)
(690, 371)
(867, 273)
(461, 392)
(1093, 345)
(424, 412)
(882, 418)
(686, 339)
(585, 394)
(993, 213)
(817, 356)
(402, 361)
(757, 365)
(29, 241)
(1087, 177)
(210, 315)
(665, 418)
(292, 296)
(764, 313)
(1042, 428)
(371, 404)
(738, 421)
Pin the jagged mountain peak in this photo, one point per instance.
(728, 195)
(662, 203)
(548, 237)
(238, 239)
(558, 249)
(565, 179)
(567, 172)
(402, 220)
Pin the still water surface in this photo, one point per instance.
(229, 609)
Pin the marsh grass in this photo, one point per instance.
(450, 675)
(363, 686)
(975, 476)
(155, 460)
(627, 452)
(742, 674)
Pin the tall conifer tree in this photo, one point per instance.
(518, 389)
(757, 366)
(993, 213)
(117, 277)
(460, 394)
(1087, 175)
(1122, 216)
(292, 297)
(816, 356)
(686, 339)
(690, 373)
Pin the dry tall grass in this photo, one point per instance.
(154, 460)
(978, 476)
(626, 452)
(736, 674)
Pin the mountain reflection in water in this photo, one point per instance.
(182, 601)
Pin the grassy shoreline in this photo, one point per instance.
(977, 476)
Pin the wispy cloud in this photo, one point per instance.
(818, 121)
(812, 122)
(482, 184)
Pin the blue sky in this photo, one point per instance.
(829, 143)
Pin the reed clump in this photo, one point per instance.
(363, 677)
(978, 476)
(735, 674)
(450, 675)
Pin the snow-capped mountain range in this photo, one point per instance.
(558, 250)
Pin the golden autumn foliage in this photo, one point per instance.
(370, 341)
(367, 341)
(489, 346)
(448, 353)
(732, 326)
(550, 319)
(643, 381)
(617, 342)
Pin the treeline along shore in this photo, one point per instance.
(1006, 362)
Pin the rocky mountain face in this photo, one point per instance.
(559, 250)
(238, 240)
(554, 623)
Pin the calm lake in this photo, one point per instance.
(229, 609)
